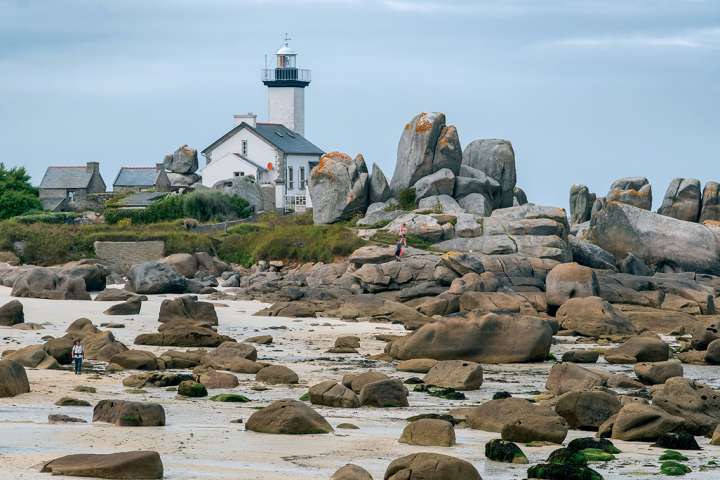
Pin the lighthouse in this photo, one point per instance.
(286, 89)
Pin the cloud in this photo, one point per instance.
(704, 38)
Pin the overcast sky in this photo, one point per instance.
(586, 90)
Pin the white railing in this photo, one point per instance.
(285, 74)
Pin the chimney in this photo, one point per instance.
(249, 118)
(159, 167)
(92, 167)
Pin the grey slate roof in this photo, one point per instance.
(141, 199)
(66, 177)
(278, 135)
(136, 177)
(287, 140)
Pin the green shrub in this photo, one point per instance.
(47, 217)
(14, 203)
(203, 206)
(407, 198)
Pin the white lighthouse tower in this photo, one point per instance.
(286, 89)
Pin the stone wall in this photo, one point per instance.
(124, 254)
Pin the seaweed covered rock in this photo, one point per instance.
(504, 451)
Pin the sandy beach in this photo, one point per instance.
(199, 440)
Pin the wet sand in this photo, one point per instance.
(199, 442)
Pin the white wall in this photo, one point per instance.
(296, 162)
(225, 168)
(286, 105)
(258, 150)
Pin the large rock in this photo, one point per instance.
(129, 307)
(590, 255)
(682, 200)
(587, 410)
(136, 465)
(184, 160)
(493, 415)
(39, 282)
(183, 180)
(486, 339)
(137, 360)
(471, 180)
(639, 422)
(657, 373)
(430, 466)
(183, 336)
(277, 375)
(416, 150)
(593, 317)
(476, 204)
(540, 428)
(581, 202)
(351, 472)
(660, 241)
(635, 191)
(13, 379)
(187, 308)
(155, 278)
(697, 403)
(427, 227)
(93, 274)
(11, 313)
(455, 374)
(570, 280)
(338, 187)
(441, 182)
(184, 263)
(356, 382)
(384, 393)
(230, 355)
(710, 202)
(379, 189)
(245, 187)
(648, 348)
(332, 394)
(129, 414)
(101, 346)
(448, 152)
(429, 432)
(288, 417)
(496, 159)
(378, 215)
(568, 377)
(441, 204)
(33, 356)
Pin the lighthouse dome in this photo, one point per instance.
(286, 51)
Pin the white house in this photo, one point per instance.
(273, 152)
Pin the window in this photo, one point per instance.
(302, 178)
(71, 196)
(291, 180)
(244, 148)
(237, 174)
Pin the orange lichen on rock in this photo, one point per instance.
(323, 167)
(423, 123)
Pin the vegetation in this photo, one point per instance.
(407, 198)
(51, 244)
(390, 238)
(292, 239)
(673, 468)
(47, 217)
(203, 206)
(17, 196)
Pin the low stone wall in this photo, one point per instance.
(124, 254)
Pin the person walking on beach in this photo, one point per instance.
(77, 355)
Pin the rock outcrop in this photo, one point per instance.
(338, 187)
(635, 191)
(662, 242)
(682, 200)
(496, 158)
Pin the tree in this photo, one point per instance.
(17, 196)
(14, 203)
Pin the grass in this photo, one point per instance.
(271, 237)
(389, 238)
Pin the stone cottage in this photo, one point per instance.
(137, 179)
(62, 186)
